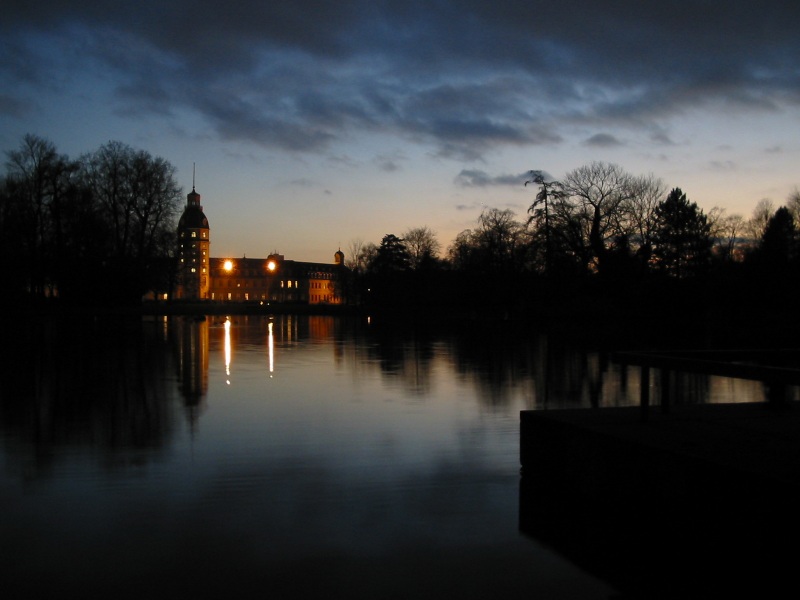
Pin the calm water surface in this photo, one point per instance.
(283, 457)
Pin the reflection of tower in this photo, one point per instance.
(192, 342)
(193, 250)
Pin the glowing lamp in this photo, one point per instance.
(271, 266)
(227, 265)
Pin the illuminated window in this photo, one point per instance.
(194, 234)
(194, 270)
(295, 284)
(247, 296)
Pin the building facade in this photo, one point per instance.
(270, 279)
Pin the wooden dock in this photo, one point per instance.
(699, 501)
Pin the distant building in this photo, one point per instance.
(270, 279)
(194, 244)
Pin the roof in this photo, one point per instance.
(193, 218)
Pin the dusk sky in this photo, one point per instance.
(313, 123)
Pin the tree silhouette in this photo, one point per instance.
(421, 245)
(539, 212)
(392, 255)
(138, 197)
(598, 192)
(778, 246)
(101, 228)
(682, 242)
(39, 187)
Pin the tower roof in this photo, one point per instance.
(193, 217)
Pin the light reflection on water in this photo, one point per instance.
(291, 455)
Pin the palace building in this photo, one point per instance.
(270, 279)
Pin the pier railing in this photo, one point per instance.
(775, 368)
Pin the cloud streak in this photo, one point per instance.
(475, 178)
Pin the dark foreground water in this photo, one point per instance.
(283, 457)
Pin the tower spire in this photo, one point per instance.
(193, 172)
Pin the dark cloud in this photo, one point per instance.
(603, 140)
(13, 107)
(722, 165)
(389, 163)
(662, 138)
(478, 178)
(466, 76)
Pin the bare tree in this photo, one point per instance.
(421, 244)
(726, 232)
(138, 198)
(367, 255)
(598, 192)
(38, 182)
(459, 253)
(757, 224)
(793, 204)
(354, 258)
(644, 194)
(497, 245)
(138, 194)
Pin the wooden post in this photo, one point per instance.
(666, 375)
(644, 392)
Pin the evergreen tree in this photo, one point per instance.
(682, 240)
(778, 246)
(392, 255)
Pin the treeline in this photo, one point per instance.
(599, 240)
(100, 228)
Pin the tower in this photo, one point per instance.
(193, 250)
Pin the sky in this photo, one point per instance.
(311, 124)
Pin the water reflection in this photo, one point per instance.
(285, 451)
(271, 348)
(228, 350)
(104, 382)
(505, 367)
(85, 383)
(191, 345)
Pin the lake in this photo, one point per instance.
(286, 456)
